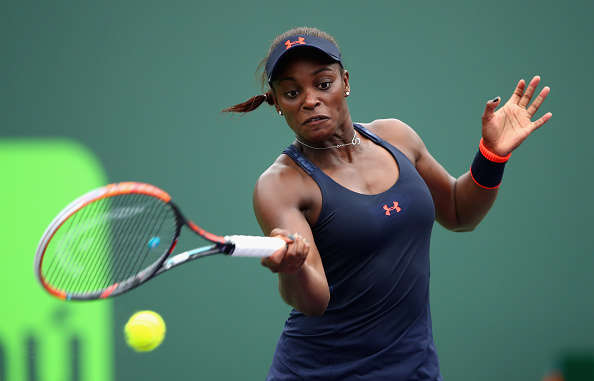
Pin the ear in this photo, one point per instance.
(275, 100)
(345, 79)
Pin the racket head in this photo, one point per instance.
(107, 241)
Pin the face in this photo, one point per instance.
(310, 92)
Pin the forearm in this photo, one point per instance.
(461, 204)
(306, 291)
(476, 191)
(472, 202)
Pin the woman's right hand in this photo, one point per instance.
(291, 258)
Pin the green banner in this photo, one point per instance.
(41, 337)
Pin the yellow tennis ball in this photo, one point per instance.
(145, 331)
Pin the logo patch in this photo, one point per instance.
(300, 41)
(389, 209)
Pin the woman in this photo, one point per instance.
(356, 204)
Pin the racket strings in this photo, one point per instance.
(121, 246)
(108, 241)
(132, 237)
(68, 265)
(160, 216)
(103, 264)
(145, 231)
(83, 237)
(133, 241)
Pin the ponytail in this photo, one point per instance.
(250, 105)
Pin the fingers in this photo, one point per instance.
(290, 259)
(533, 108)
(525, 99)
(281, 233)
(490, 109)
(517, 95)
(538, 101)
(522, 98)
(296, 255)
(545, 118)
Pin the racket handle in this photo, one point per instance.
(252, 246)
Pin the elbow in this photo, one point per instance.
(306, 291)
(313, 310)
(469, 224)
(464, 229)
(317, 309)
(458, 225)
(312, 305)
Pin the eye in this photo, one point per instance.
(292, 93)
(325, 85)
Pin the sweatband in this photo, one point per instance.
(487, 168)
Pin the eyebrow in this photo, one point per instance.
(320, 70)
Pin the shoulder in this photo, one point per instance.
(284, 191)
(282, 172)
(399, 134)
(284, 181)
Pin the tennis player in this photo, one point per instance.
(357, 203)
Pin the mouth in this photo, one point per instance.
(316, 119)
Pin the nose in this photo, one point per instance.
(310, 100)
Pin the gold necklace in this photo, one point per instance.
(355, 141)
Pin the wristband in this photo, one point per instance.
(487, 168)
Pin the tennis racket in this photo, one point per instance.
(117, 237)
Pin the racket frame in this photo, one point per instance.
(221, 245)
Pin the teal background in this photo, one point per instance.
(141, 84)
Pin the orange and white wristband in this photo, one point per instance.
(487, 168)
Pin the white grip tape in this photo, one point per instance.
(252, 246)
(177, 259)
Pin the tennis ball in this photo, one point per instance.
(145, 331)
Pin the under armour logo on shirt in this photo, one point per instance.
(388, 209)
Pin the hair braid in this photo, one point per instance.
(250, 105)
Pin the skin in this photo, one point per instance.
(311, 94)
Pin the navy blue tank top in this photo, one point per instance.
(375, 251)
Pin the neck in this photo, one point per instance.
(354, 142)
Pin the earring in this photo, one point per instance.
(346, 94)
(280, 112)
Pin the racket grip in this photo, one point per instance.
(252, 246)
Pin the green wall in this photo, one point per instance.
(141, 83)
(41, 337)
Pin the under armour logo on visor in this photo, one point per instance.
(391, 208)
(300, 40)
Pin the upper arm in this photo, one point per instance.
(442, 187)
(278, 200)
(282, 196)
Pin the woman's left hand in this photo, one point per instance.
(505, 129)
